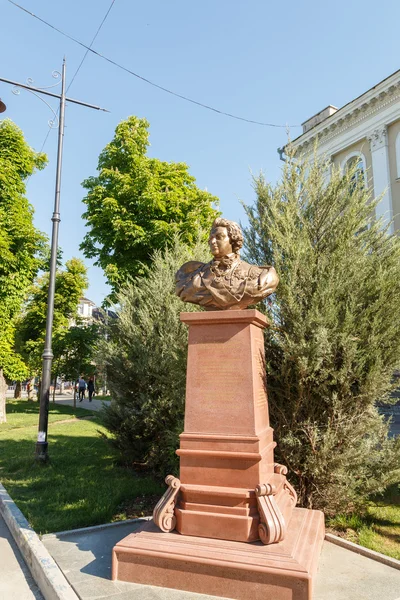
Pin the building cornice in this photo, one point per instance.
(380, 97)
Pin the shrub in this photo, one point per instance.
(146, 363)
(334, 342)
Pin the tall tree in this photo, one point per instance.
(145, 356)
(20, 244)
(75, 350)
(136, 204)
(70, 285)
(334, 341)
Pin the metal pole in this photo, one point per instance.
(30, 88)
(42, 443)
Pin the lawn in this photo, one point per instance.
(25, 413)
(82, 485)
(378, 529)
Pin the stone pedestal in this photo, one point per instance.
(231, 491)
(227, 447)
(282, 571)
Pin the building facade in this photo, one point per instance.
(365, 131)
(85, 310)
(89, 313)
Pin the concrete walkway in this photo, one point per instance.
(93, 405)
(16, 582)
(68, 400)
(84, 557)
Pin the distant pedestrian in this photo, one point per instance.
(81, 388)
(90, 388)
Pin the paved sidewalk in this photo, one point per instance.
(16, 582)
(93, 405)
(85, 559)
(67, 399)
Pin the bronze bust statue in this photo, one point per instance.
(226, 282)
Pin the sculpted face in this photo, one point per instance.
(219, 242)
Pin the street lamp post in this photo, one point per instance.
(41, 449)
(47, 356)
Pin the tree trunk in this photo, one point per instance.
(3, 390)
(18, 390)
(30, 386)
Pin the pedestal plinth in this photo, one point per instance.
(282, 571)
(227, 447)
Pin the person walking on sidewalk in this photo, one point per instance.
(90, 388)
(82, 388)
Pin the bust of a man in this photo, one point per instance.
(226, 282)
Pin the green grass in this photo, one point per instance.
(378, 529)
(82, 485)
(25, 413)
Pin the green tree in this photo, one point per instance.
(137, 204)
(70, 285)
(145, 357)
(20, 244)
(334, 341)
(74, 352)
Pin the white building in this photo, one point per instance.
(366, 130)
(85, 310)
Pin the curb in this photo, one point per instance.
(382, 558)
(49, 578)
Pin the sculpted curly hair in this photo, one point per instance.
(234, 232)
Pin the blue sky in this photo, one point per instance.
(266, 61)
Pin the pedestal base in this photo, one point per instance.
(237, 570)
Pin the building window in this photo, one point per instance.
(398, 155)
(357, 160)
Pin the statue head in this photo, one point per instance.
(225, 238)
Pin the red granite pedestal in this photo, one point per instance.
(231, 493)
(238, 570)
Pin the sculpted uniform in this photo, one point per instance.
(228, 283)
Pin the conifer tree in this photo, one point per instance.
(334, 340)
(145, 358)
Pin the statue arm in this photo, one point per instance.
(185, 274)
(188, 268)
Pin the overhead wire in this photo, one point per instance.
(152, 83)
(81, 63)
(91, 44)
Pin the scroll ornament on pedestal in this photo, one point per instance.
(272, 528)
(163, 514)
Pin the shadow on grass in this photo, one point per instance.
(29, 407)
(82, 484)
(386, 534)
(25, 413)
(390, 497)
(22, 406)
